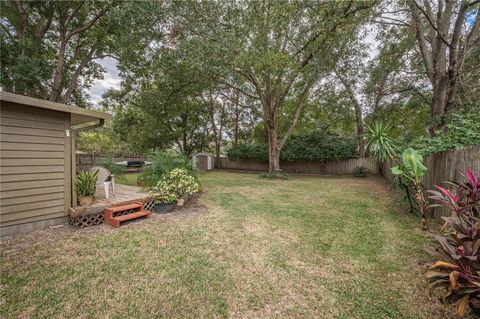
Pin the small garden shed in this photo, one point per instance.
(203, 161)
(37, 160)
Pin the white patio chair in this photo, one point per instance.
(105, 179)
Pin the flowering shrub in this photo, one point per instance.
(173, 185)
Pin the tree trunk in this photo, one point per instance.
(273, 151)
(57, 79)
(58, 75)
(73, 82)
(360, 129)
(358, 114)
(421, 206)
(217, 155)
(236, 125)
(439, 104)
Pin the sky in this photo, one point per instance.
(111, 79)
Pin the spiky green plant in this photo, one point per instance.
(380, 143)
(85, 183)
(360, 171)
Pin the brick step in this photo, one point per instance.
(124, 207)
(138, 214)
(115, 221)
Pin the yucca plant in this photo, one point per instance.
(456, 269)
(386, 148)
(85, 183)
(360, 171)
(380, 143)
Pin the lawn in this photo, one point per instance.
(128, 179)
(308, 247)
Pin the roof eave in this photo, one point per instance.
(84, 115)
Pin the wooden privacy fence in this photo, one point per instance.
(343, 167)
(85, 161)
(444, 166)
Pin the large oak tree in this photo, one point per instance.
(447, 33)
(280, 50)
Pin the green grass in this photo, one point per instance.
(128, 179)
(307, 247)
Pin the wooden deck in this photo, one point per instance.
(124, 194)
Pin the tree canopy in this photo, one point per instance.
(209, 76)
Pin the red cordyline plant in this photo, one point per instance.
(456, 270)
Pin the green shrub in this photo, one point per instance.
(360, 171)
(173, 185)
(278, 175)
(85, 183)
(461, 131)
(249, 152)
(318, 145)
(163, 163)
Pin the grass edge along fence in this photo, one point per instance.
(341, 167)
(441, 167)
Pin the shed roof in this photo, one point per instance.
(79, 115)
(203, 153)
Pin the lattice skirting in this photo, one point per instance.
(86, 221)
(149, 205)
(97, 219)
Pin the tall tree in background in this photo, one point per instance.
(217, 105)
(280, 50)
(349, 70)
(447, 33)
(49, 48)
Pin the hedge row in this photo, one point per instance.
(316, 146)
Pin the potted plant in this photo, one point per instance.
(162, 207)
(172, 186)
(85, 185)
(164, 201)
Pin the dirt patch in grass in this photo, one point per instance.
(21, 243)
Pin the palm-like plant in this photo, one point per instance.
(85, 183)
(412, 169)
(380, 143)
(386, 148)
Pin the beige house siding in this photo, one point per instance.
(35, 167)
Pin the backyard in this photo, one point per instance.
(323, 247)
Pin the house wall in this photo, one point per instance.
(35, 167)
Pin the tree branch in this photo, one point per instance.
(422, 42)
(89, 24)
(431, 23)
